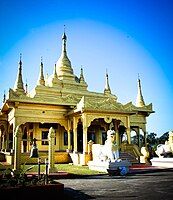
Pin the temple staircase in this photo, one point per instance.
(128, 156)
(130, 152)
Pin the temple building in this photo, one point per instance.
(78, 116)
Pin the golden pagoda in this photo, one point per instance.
(79, 116)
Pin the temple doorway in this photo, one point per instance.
(80, 137)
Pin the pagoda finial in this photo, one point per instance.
(64, 28)
(41, 80)
(18, 87)
(20, 57)
(107, 89)
(139, 100)
(64, 37)
(82, 80)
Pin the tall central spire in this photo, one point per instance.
(41, 80)
(64, 68)
(107, 89)
(18, 87)
(139, 100)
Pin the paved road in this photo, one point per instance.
(155, 186)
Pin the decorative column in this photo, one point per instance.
(128, 135)
(7, 140)
(138, 136)
(145, 135)
(128, 130)
(69, 141)
(69, 136)
(13, 137)
(85, 156)
(51, 159)
(75, 134)
(3, 142)
(0, 139)
(84, 139)
(17, 149)
(117, 139)
(90, 144)
(145, 138)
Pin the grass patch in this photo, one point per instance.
(79, 170)
(69, 168)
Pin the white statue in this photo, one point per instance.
(106, 157)
(163, 150)
(109, 151)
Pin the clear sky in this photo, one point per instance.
(126, 37)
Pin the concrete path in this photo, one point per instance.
(145, 185)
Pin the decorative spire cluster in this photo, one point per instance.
(107, 89)
(62, 73)
(18, 87)
(139, 100)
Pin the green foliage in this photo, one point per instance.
(163, 138)
(13, 178)
(154, 141)
(151, 139)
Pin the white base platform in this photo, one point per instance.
(162, 162)
(104, 166)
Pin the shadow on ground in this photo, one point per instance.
(70, 194)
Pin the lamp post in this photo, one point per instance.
(34, 154)
(46, 170)
(34, 149)
(39, 162)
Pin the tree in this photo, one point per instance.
(163, 138)
(151, 139)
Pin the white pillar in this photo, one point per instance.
(17, 150)
(51, 158)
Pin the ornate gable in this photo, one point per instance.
(100, 104)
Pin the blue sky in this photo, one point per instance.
(126, 37)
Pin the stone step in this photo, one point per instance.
(129, 157)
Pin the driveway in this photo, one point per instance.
(149, 185)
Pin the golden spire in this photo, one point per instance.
(41, 80)
(63, 64)
(18, 87)
(139, 100)
(54, 78)
(107, 89)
